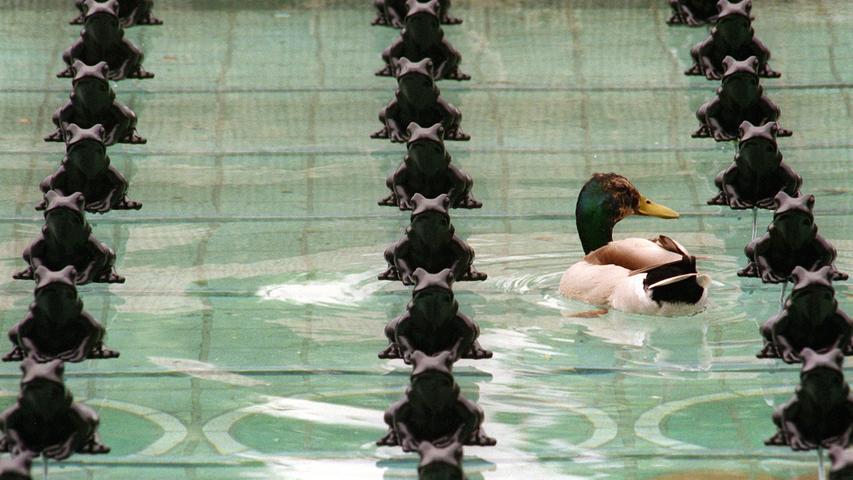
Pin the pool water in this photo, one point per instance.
(251, 317)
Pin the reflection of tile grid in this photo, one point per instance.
(290, 139)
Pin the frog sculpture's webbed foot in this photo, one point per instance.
(391, 351)
(15, 355)
(719, 199)
(383, 133)
(126, 204)
(386, 71)
(472, 275)
(55, 136)
(388, 440)
(149, 20)
(769, 351)
(457, 135)
(25, 274)
(702, 132)
(67, 73)
(100, 351)
(751, 270)
(109, 277)
(457, 75)
(94, 447)
(777, 440)
(390, 274)
(140, 73)
(477, 352)
(469, 202)
(389, 201)
(134, 138)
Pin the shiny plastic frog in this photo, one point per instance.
(758, 172)
(432, 322)
(45, 420)
(430, 242)
(130, 13)
(692, 12)
(821, 412)
(102, 40)
(427, 169)
(811, 318)
(791, 240)
(423, 38)
(732, 36)
(56, 326)
(66, 239)
(86, 169)
(92, 102)
(433, 409)
(391, 13)
(739, 99)
(418, 100)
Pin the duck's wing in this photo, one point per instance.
(638, 254)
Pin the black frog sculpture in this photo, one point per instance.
(45, 420)
(392, 13)
(739, 99)
(842, 463)
(692, 13)
(433, 409)
(66, 239)
(758, 172)
(731, 36)
(811, 318)
(441, 463)
(16, 468)
(130, 13)
(423, 38)
(430, 242)
(426, 169)
(86, 169)
(92, 102)
(56, 326)
(432, 322)
(102, 40)
(791, 240)
(418, 100)
(821, 412)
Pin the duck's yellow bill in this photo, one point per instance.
(652, 209)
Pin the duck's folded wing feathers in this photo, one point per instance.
(638, 253)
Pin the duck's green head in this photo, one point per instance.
(604, 200)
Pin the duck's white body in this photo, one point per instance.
(613, 276)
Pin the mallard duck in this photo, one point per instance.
(656, 277)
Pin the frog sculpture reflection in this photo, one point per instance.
(811, 318)
(423, 38)
(66, 239)
(430, 243)
(86, 169)
(102, 40)
(418, 100)
(45, 420)
(441, 463)
(739, 99)
(56, 326)
(130, 13)
(433, 409)
(92, 102)
(821, 412)
(432, 322)
(731, 36)
(791, 240)
(758, 172)
(426, 169)
(393, 12)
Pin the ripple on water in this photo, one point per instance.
(347, 291)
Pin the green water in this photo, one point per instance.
(250, 320)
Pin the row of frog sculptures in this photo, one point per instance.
(57, 329)
(433, 419)
(810, 328)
